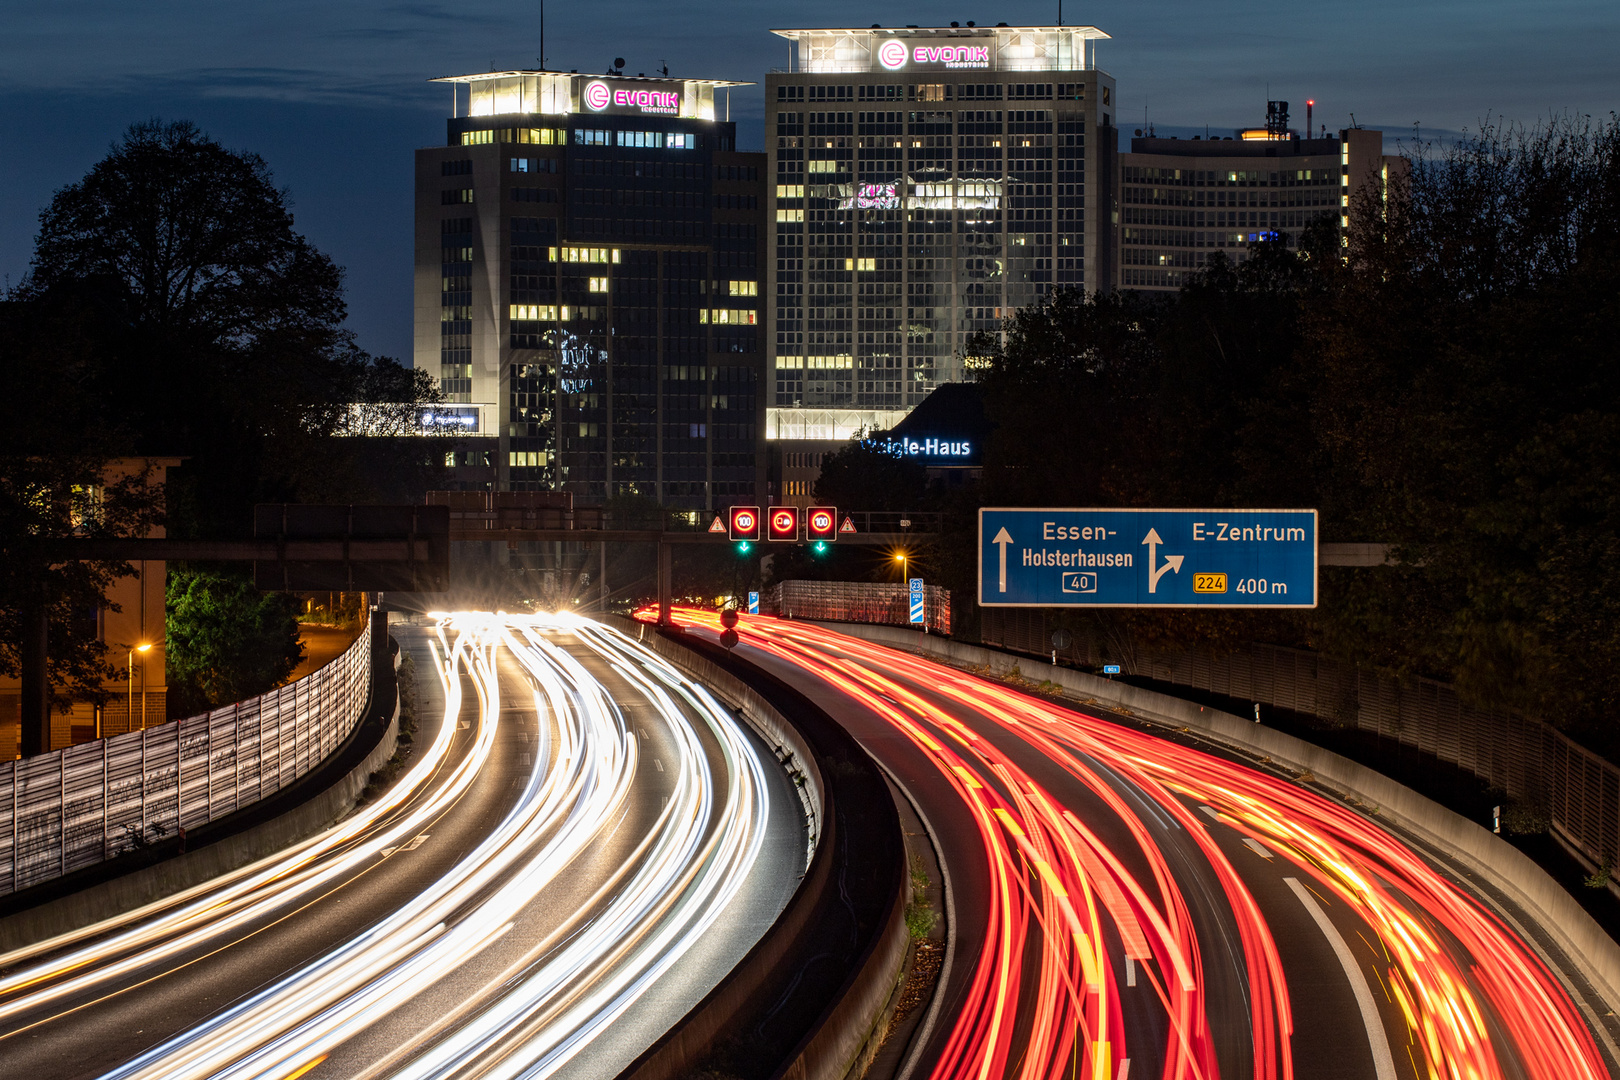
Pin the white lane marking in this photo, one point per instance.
(387, 851)
(659, 765)
(1257, 847)
(463, 725)
(1377, 1038)
(413, 843)
(1124, 1069)
(1214, 814)
(643, 732)
(523, 736)
(1130, 972)
(524, 761)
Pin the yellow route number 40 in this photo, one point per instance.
(1209, 583)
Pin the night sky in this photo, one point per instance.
(334, 94)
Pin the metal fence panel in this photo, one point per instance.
(860, 601)
(75, 807)
(84, 811)
(8, 826)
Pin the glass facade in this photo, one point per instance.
(599, 276)
(912, 209)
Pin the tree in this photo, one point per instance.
(221, 326)
(226, 640)
(54, 486)
(866, 476)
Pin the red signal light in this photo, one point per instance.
(745, 523)
(784, 523)
(821, 523)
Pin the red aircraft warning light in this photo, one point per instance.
(745, 523)
(784, 523)
(821, 523)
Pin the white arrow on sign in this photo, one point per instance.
(1003, 539)
(1171, 562)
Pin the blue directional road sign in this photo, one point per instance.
(753, 603)
(1147, 558)
(916, 599)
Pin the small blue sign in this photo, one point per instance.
(1110, 669)
(1147, 558)
(753, 603)
(917, 600)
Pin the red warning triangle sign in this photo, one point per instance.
(717, 525)
(847, 526)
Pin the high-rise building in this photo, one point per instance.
(590, 257)
(1181, 200)
(925, 183)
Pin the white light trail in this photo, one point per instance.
(538, 1011)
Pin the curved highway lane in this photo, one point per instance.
(512, 906)
(1126, 906)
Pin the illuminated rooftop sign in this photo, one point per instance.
(893, 55)
(926, 448)
(599, 96)
(896, 49)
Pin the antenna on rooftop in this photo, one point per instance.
(542, 35)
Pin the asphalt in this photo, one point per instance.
(86, 1037)
(1329, 1040)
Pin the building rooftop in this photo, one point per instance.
(835, 50)
(1090, 33)
(1219, 147)
(533, 72)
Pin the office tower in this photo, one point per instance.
(1181, 200)
(925, 183)
(589, 263)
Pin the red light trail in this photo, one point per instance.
(1065, 913)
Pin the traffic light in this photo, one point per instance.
(784, 523)
(744, 524)
(821, 523)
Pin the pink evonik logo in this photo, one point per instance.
(892, 54)
(596, 95)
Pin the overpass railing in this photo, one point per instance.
(75, 807)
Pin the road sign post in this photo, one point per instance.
(753, 603)
(1147, 558)
(917, 600)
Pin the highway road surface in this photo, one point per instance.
(582, 848)
(1124, 906)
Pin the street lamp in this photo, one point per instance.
(904, 565)
(130, 708)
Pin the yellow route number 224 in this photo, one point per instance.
(1209, 583)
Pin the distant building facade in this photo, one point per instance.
(133, 627)
(1181, 200)
(590, 263)
(924, 184)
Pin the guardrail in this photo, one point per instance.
(860, 601)
(75, 807)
